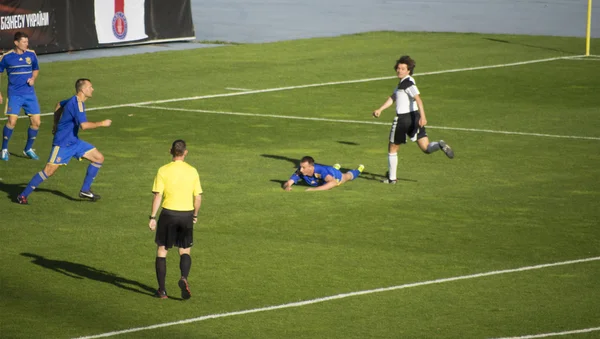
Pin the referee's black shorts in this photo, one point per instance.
(175, 228)
(406, 124)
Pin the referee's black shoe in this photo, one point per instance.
(185, 288)
(89, 195)
(161, 294)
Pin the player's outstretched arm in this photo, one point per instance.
(329, 184)
(92, 125)
(386, 104)
(287, 186)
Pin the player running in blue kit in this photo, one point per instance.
(320, 177)
(68, 118)
(21, 65)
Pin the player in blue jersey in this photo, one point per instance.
(320, 177)
(69, 117)
(21, 65)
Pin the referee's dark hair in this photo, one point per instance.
(408, 61)
(178, 148)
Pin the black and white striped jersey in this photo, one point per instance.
(404, 96)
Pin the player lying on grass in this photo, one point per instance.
(320, 177)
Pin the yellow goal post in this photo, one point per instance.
(588, 30)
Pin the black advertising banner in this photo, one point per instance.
(68, 25)
(36, 18)
(168, 21)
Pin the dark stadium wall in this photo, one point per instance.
(69, 25)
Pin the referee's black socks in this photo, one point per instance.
(185, 263)
(161, 272)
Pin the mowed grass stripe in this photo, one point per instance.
(332, 83)
(554, 334)
(342, 296)
(365, 122)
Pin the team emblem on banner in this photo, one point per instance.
(120, 20)
(119, 25)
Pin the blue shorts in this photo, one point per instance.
(29, 103)
(60, 155)
(337, 175)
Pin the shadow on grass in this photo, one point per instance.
(528, 45)
(80, 271)
(12, 190)
(280, 182)
(18, 155)
(351, 143)
(296, 162)
(374, 176)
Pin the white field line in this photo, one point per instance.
(341, 296)
(365, 122)
(554, 334)
(201, 97)
(237, 89)
(585, 57)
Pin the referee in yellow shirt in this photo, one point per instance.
(179, 184)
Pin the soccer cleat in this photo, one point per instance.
(30, 153)
(89, 195)
(388, 181)
(185, 288)
(361, 168)
(446, 148)
(161, 294)
(337, 166)
(4, 155)
(21, 199)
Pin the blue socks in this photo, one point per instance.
(6, 134)
(355, 174)
(37, 179)
(31, 135)
(92, 171)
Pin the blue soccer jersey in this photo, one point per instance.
(19, 68)
(68, 125)
(318, 177)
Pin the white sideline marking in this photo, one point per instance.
(554, 334)
(366, 122)
(318, 85)
(237, 89)
(340, 296)
(586, 59)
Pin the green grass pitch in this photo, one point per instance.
(523, 190)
